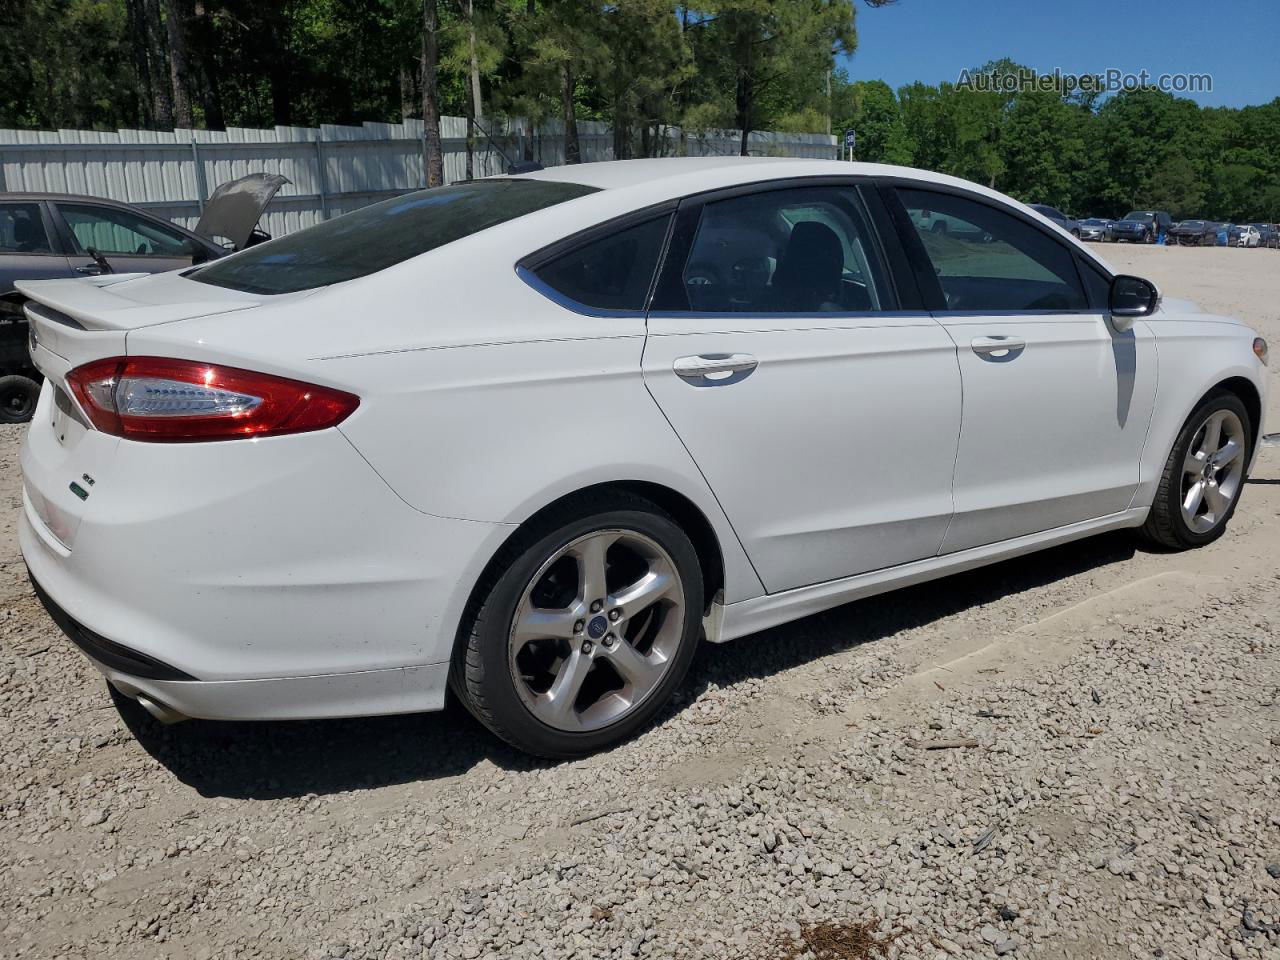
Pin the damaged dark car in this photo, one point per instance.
(47, 236)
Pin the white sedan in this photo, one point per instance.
(1247, 236)
(530, 438)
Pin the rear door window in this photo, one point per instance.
(610, 273)
(22, 229)
(382, 235)
(786, 251)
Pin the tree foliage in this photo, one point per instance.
(641, 65)
(1138, 149)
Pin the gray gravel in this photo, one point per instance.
(1122, 798)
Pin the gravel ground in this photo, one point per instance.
(1076, 755)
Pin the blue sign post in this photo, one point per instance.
(850, 141)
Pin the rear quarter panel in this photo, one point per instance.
(480, 398)
(497, 432)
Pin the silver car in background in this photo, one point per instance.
(1097, 229)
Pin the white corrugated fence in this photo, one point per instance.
(333, 169)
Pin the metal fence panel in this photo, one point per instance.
(332, 169)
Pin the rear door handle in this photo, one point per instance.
(715, 367)
(998, 347)
(92, 269)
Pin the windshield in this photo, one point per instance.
(382, 235)
(1139, 217)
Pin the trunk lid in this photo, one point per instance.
(74, 321)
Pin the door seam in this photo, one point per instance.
(644, 379)
(955, 461)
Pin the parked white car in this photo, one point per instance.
(1246, 236)
(533, 436)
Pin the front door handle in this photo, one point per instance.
(715, 367)
(998, 348)
(91, 269)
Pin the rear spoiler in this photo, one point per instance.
(91, 304)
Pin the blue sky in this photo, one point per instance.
(1236, 41)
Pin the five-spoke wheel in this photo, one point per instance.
(584, 628)
(596, 629)
(1213, 470)
(1203, 476)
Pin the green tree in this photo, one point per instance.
(767, 60)
(1043, 149)
(872, 111)
(67, 63)
(1176, 186)
(954, 131)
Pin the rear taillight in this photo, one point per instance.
(164, 400)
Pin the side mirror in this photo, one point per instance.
(1131, 298)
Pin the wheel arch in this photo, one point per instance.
(1247, 392)
(1183, 357)
(686, 513)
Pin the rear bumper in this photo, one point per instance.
(248, 579)
(170, 695)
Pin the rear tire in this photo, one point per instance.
(583, 629)
(18, 396)
(1204, 476)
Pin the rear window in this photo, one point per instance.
(382, 235)
(612, 272)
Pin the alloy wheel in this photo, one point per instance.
(596, 630)
(1213, 471)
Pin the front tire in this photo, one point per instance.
(584, 628)
(1203, 477)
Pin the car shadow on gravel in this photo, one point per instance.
(297, 758)
(811, 639)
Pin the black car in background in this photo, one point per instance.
(1142, 226)
(1194, 233)
(47, 236)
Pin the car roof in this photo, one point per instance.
(682, 176)
(77, 197)
(629, 185)
(612, 174)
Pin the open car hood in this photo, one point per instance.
(236, 206)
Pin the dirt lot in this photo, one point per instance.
(1122, 798)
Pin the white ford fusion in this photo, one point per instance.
(532, 437)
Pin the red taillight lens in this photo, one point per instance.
(164, 400)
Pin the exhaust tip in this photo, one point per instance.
(165, 714)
